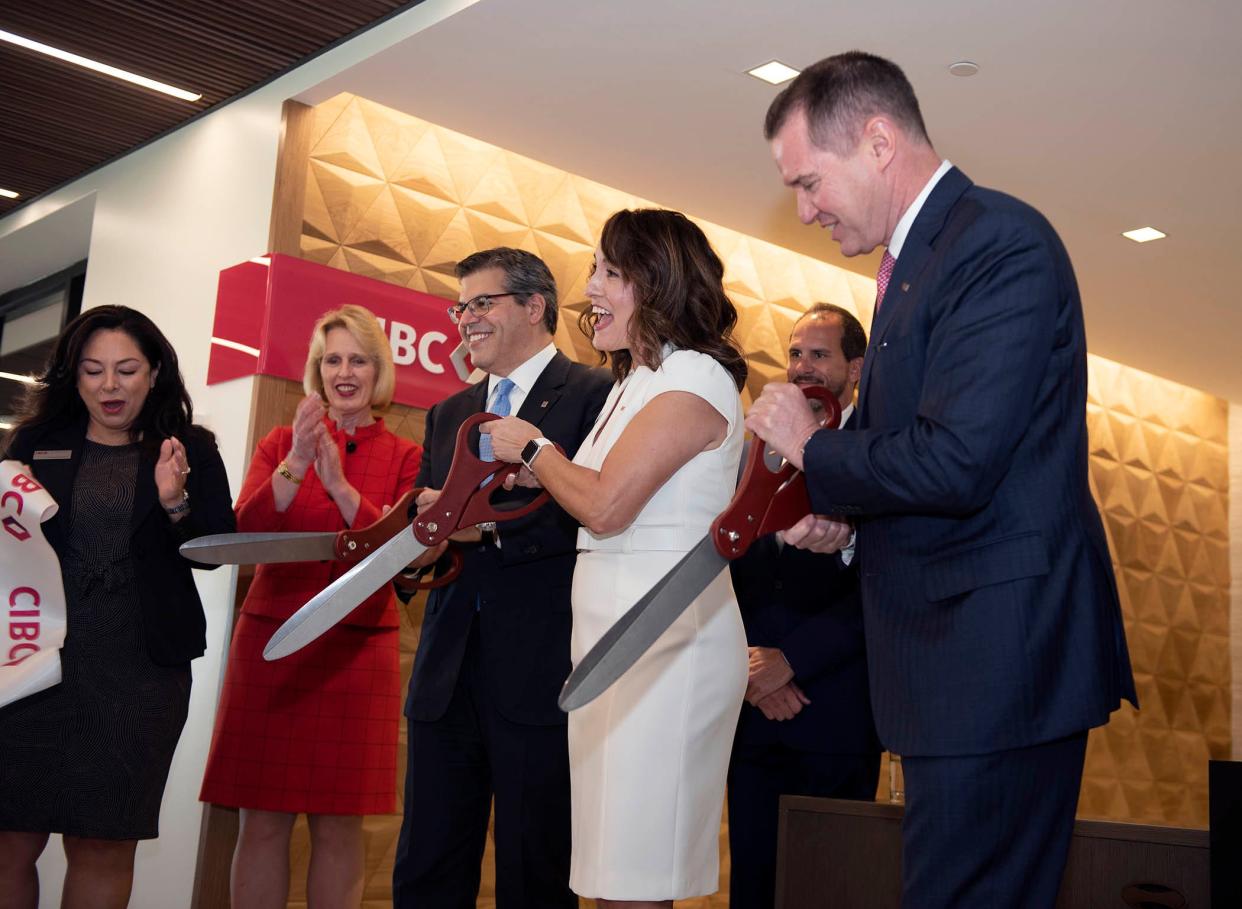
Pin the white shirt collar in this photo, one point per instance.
(525, 376)
(845, 413)
(907, 219)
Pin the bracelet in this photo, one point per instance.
(283, 469)
(183, 505)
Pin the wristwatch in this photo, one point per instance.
(531, 451)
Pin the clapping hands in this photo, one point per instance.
(171, 469)
(308, 428)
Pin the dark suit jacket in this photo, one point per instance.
(521, 588)
(991, 607)
(808, 605)
(172, 612)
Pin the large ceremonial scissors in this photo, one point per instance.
(771, 496)
(382, 550)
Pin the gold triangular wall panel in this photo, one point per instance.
(424, 218)
(381, 232)
(426, 171)
(347, 194)
(391, 140)
(347, 144)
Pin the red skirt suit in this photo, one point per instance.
(314, 732)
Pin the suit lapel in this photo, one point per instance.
(146, 496)
(56, 475)
(546, 391)
(480, 395)
(903, 287)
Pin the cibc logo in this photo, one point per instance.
(411, 349)
(22, 618)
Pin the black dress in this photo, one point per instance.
(89, 757)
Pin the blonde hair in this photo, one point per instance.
(362, 324)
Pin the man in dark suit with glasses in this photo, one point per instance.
(483, 722)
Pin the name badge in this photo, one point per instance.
(53, 454)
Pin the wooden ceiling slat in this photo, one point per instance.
(58, 121)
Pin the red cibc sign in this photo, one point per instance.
(265, 313)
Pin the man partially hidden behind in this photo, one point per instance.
(806, 728)
(994, 632)
(494, 651)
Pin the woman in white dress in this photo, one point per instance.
(648, 758)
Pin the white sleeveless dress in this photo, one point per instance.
(648, 758)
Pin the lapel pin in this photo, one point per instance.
(905, 285)
(544, 404)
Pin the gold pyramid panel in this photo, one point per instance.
(1158, 450)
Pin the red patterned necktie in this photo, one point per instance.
(881, 279)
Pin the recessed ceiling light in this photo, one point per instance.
(774, 72)
(98, 67)
(9, 194)
(1143, 234)
(964, 68)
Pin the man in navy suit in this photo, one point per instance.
(807, 727)
(483, 723)
(994, 632)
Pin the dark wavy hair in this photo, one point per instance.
(54, 398)
(679, 295)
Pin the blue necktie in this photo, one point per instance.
(499, 406)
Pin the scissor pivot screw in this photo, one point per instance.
(433, 527)
(733, 536)
(351, 545)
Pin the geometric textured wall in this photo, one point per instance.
(396, 198)
(1160, 468)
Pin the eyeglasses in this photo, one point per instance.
(479, 306)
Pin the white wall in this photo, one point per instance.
(167, 219)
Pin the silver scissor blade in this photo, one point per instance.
(343, 595)
(260, 548)
(633, 634)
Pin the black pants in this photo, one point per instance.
(990, 830)
(457, 765)
(758, 776)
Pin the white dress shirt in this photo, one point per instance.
(907, 218)
(523, 378)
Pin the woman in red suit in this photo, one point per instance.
(315, 732)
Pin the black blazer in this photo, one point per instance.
(172, 612)
(808, 606)
(522, 588)
(991, 609)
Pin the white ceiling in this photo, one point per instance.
(1106, 115)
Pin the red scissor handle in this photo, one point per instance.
(356, 545)
(466, 498)
(772, 495)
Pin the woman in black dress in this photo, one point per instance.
(108, 432)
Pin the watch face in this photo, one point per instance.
(532, 447)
